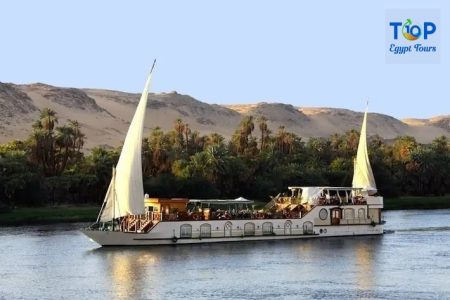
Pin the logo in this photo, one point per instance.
(412, 32)
(412, 36)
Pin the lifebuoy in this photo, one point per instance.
(174, 239)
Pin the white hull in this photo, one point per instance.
(309, 226)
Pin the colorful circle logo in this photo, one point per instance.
(411, 32)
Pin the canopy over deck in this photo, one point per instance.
(312, 194)
(239, 200)
(333, 188)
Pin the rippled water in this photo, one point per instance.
(58, 262)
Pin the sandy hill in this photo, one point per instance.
(438, 121)
(105, 115)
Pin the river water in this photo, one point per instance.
(58, 262)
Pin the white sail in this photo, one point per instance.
(125, 196)
(362, 175)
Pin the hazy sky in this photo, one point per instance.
(306, 53)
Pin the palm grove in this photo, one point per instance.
(50, 167)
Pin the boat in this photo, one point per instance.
(128, 217)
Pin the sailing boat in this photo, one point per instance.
(128, 218)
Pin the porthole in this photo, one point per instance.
(323, 214)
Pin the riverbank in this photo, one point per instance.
(49, 215)
(71, 214)
(441, 202)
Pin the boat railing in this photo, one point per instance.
(140, 223)
(225, 215)
(358, 200)
(375, 200)
(145, 225)
(155, 216)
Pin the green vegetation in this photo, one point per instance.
(417, 203)
(49, 168)
(69, 214)
(49, 215)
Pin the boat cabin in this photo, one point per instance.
(165, 205)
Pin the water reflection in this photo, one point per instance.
(129, 270)
(365, 256)
(150, 272)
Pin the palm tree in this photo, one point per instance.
(146, 157)
(247, 126)
(215, 162)
(55, 149)
(48, 119)
(37, 145)
(160, 146)
(215, 139)
(65, 141)
(197, 141)
(265, 132)
(78, 136)
(155, 148)
(42, 141)
(37, 125)
(198, 165)
(350, 145)
(240, 138)
(179, 127)
(288, 142)
(187, 132)
(280, 139)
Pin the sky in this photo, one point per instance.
(304, 53)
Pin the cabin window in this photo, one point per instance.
(361, 213)
(323, 214)
(288, 227)
(185, 231)
(249, 229)
(308, 228)
(267, 228)
(349, 213)
(205, 231)
(228, 229)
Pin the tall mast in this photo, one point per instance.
(113, 181)
(111, 190)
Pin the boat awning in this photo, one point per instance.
(332, 188)
(239, 200)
